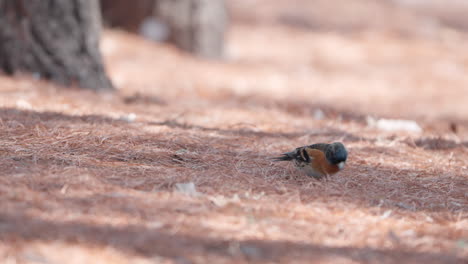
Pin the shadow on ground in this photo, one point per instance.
(150, 242)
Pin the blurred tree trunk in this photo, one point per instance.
(197, 26)
(126, 14)
(53, 39)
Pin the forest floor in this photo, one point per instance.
(174, 167)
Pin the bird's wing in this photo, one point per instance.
(299, 154)
(304, 154)
(318, 160)
(320, 146)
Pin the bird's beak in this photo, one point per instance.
(341, 165)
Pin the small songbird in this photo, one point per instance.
(318, 160)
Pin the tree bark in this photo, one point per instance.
(53, 39)
(126, 14)
(197, 26)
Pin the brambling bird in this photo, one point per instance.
(318, 160)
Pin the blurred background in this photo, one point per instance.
(387, 57)
(384, 57)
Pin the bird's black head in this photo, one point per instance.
(336, 153)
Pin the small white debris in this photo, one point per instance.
(128, 118)
(64, 189)
(23, 104)
(222, 201)
(187, 188)
(381, 202)
(155, 225)
(219, 201)
(409, 232)
(181, 151)
(386, 214)
(394, 124)
(254, 196)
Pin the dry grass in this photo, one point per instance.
(82, 182)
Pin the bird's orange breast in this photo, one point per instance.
(320, 163)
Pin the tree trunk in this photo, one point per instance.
(126, 14)
(53, 39)
(196, 26)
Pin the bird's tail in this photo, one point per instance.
(285, 157)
